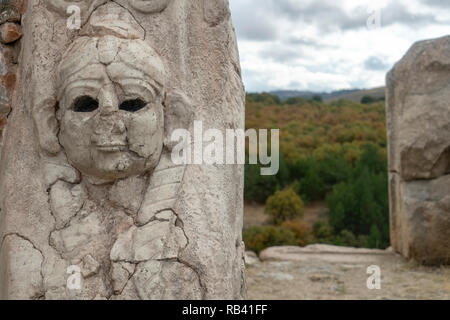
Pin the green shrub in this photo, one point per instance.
(316, 176)
(258, 187)
(317, 98)
(301, 230)
(311, 186)
(346, 238)
(360, 205)
(368, 100)
(265, 98)
(284, 205)
(323, 233)
(283, 175)
(375, 239)
(371, 99)
(258, 238)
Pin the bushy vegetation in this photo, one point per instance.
(335, 153)
(312, 128)
(258, 238)
(301, 230)
(371, 99)
(360, 204)
(258, 187)
(284, 205)
(289, 233)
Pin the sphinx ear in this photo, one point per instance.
(178, 114)
(44, 115)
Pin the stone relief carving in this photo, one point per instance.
(149, 6)
(110, 107)
(111, 127)
(214, 11)
(88, 6)
(113, 20)
(102, 193)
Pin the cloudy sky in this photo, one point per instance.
(325, 45)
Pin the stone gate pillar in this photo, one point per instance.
(418, 122)
(92, 205)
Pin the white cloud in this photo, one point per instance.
(319, 45)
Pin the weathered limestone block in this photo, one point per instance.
(157, 240)
(10, 33)
(21, 259)
(86, 7)
(418, 116)
(91, 204)
(121, 273)
(66, 201)
(112, 20)
(216, 11)
(162, 287)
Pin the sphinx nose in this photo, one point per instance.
(109, 103)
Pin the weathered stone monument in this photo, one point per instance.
(10, 33)
(92, 206)
(418, 115)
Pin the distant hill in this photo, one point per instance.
(285, 94)
(357, 95)
(351, 94)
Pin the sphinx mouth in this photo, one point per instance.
(111, 147)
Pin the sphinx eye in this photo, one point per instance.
(85, 104)
(132, 105)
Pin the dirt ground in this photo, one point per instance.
(335, 277)
(254, 214)
(338, 276)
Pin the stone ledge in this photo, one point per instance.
(324, 253)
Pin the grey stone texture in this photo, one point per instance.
(86, 178)
(418, 121)
(10, 34)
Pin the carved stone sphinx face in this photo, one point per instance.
(111, 111)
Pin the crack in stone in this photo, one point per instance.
(180, 252)
(130, 276)
(66, 225)
(89, 17)
(154, 218)
(202, 285)
(42, 290)
(136, 20)
(144, 191)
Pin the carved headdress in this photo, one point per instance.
(112, 37)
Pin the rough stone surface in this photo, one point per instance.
(10, 32)
(87, 185)
(320, 251)
(418, 116)
(21, 260)
(251, 258)
(104, 21)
